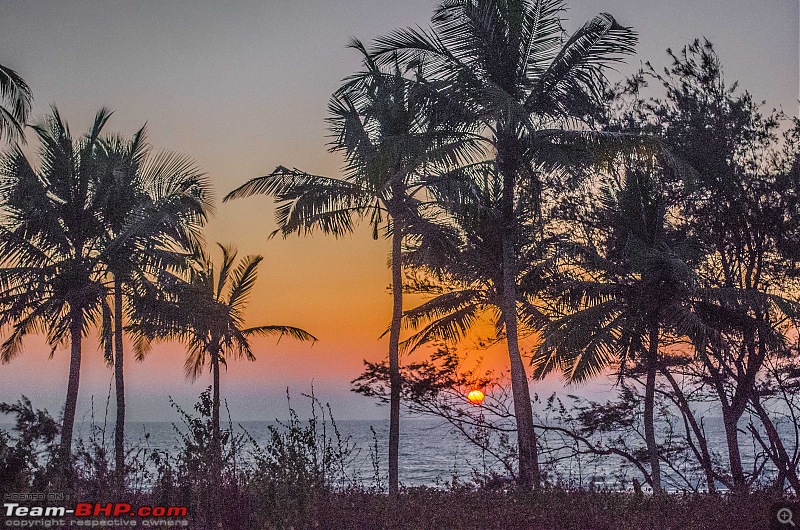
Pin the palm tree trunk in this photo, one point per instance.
(215, 434)
(529, 475)
(508, 160)
(394, 360)
(71, 404)
(119, 427)
(649, 409)
(216, 450)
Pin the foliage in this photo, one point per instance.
(656, 236)
(532, 93)
(51, 280)
(187, 478)
(740, 206)
(437, 386)
(204, 308)
(390, 130)
(217, 296)
(153, 208)
(27, 459)
(301, 462)
(15, 104)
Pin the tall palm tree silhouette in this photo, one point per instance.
(390, 131)
(51, 279)
(525, 85)
(204, 309)
(153, 204)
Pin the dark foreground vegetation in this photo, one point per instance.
(547, 509)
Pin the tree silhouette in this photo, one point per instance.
(153, 205)
(204, 309)
(461, 263)
(389, 129)
(50, 278)
(740, 205)
(622, 297)
(509, 64)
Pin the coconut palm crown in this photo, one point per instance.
(51, 280)
(392, 130)
(533, 92)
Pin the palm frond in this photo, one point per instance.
(452, 327)
(242, 282)
(228, 258)
(442, 306)
(290, 331)
(573, 82)
(15, 104)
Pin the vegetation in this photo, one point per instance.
(632, 280)
(638, 288)
(510, 67)
(15, 104)
(205, 311)
(390, 132)
(51, 276)
(151, 204)
(296, 480)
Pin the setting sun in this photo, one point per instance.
(475, 397)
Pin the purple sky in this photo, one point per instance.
(243, 86)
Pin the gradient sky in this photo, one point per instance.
(243, 86)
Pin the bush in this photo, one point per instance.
(28, 459)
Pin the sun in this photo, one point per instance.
(475, 397)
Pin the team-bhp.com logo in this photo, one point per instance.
(87, 514)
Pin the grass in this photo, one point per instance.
(422, 508)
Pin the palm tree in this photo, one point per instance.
(205, 310)
(462, 264)
(622, 300)
(508, 63)
(152, 205)
(390, 130)
(15, 104)
(465, 274)
(50, 280)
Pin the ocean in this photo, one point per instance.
(432, 453)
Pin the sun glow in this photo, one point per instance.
(475, 397)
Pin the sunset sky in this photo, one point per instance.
(242, 86)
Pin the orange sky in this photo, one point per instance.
(242, 87)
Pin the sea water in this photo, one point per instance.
(432, 452)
